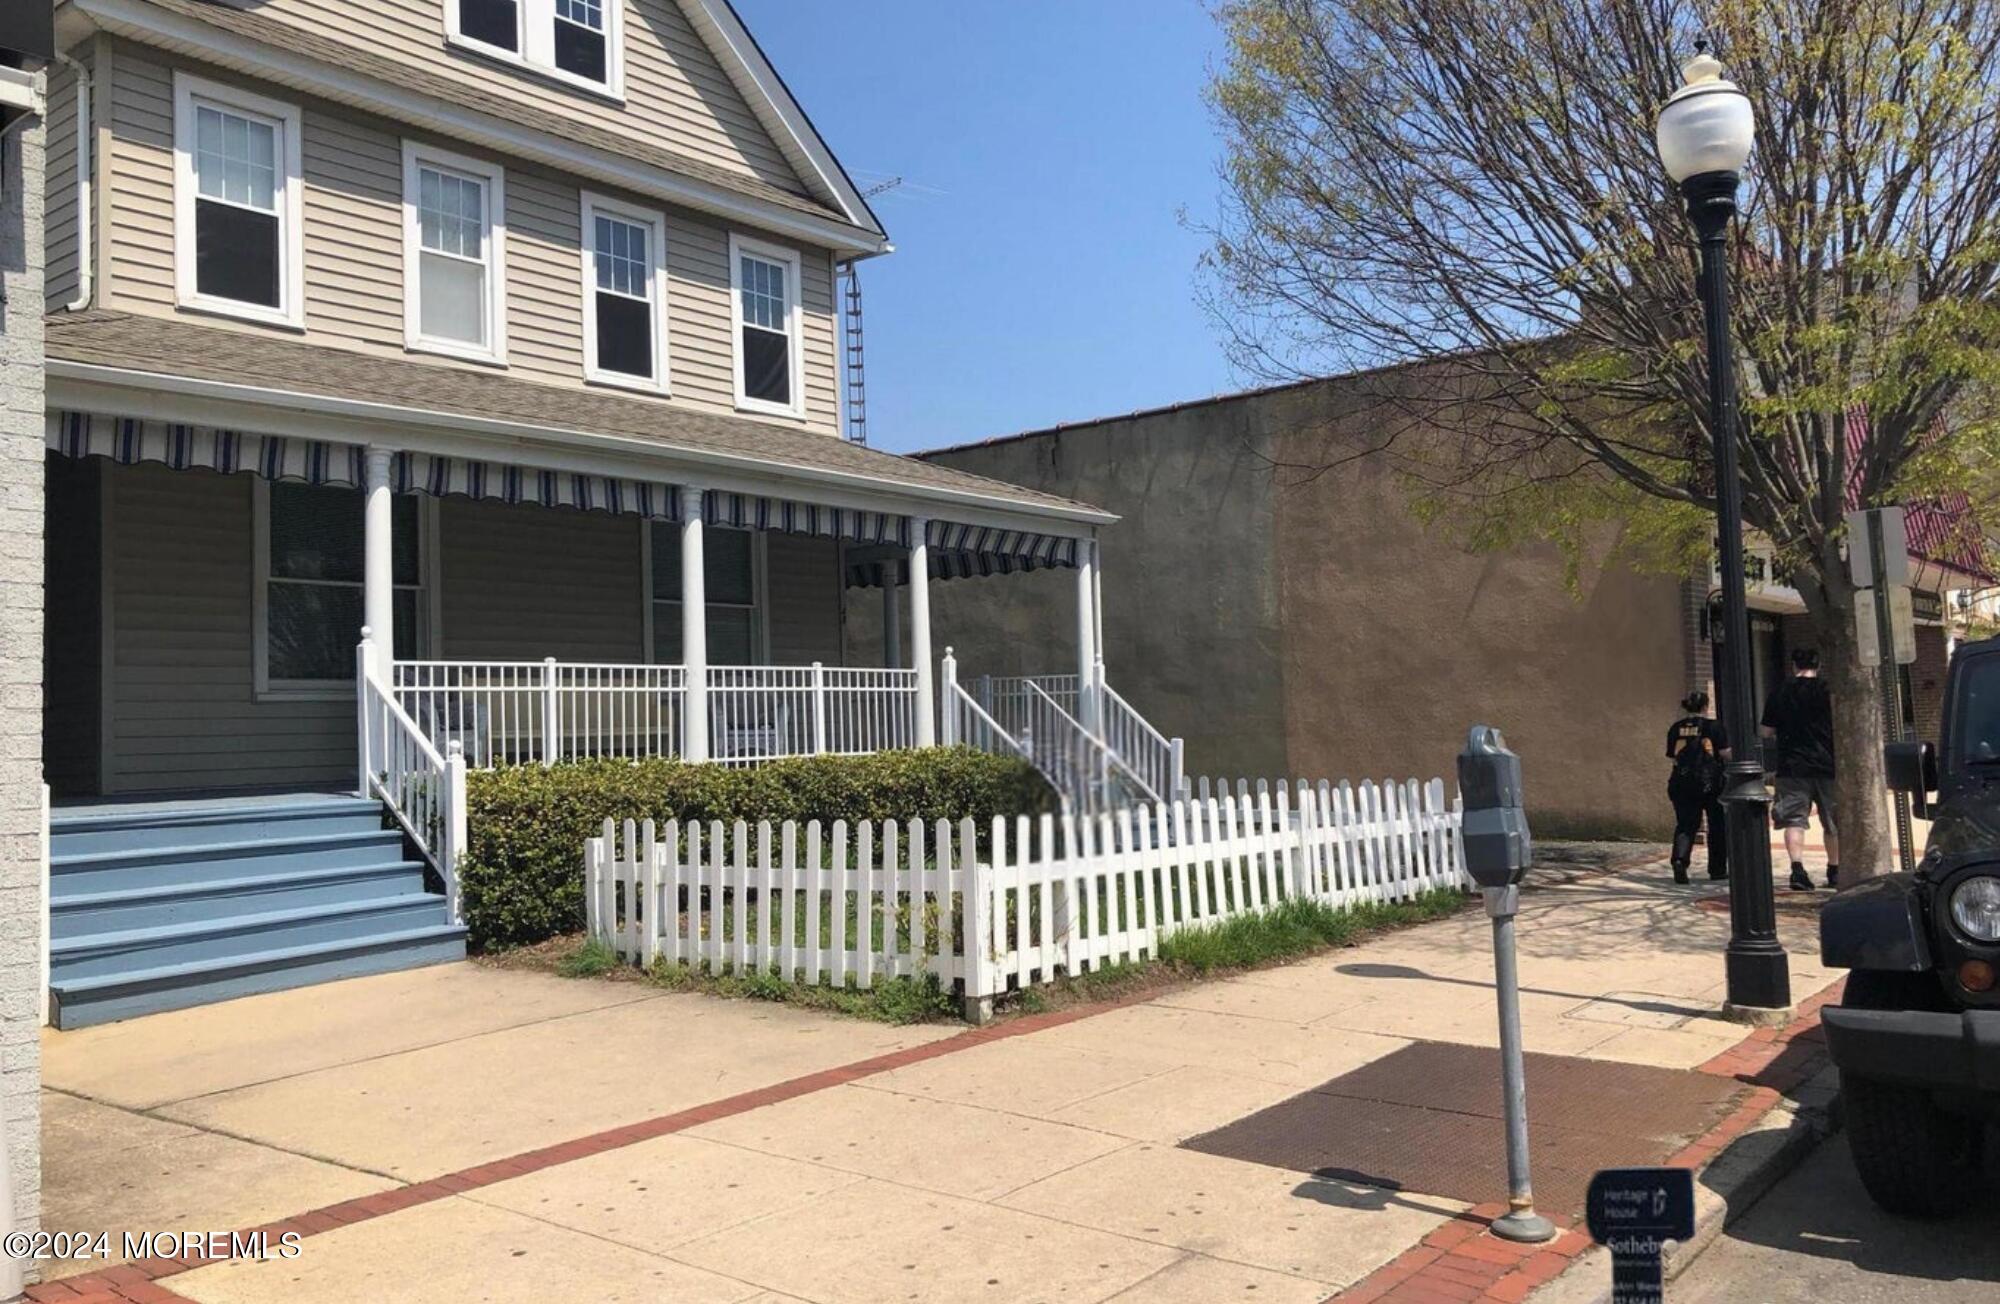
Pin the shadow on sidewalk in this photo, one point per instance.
(1365, 970)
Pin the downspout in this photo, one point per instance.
(84, 241)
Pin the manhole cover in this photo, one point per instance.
(1426, 1118)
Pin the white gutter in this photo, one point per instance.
(370, 412)
(84, 288)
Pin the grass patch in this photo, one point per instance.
(899, 1000)
(591, 960)
(1297, 927)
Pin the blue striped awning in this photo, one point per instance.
(956, 550)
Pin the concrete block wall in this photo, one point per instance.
(21, 438)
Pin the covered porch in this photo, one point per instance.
(219, 602)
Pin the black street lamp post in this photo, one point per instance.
(1704, 138)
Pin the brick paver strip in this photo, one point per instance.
(1771, 1061)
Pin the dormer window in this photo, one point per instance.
(575, 41)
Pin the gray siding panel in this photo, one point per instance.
(354, 252)
(523, 583)
(803, 599)
(184, 708)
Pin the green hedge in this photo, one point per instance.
(522, 875)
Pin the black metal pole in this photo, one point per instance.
(1759, 978)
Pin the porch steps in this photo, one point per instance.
(161, 906)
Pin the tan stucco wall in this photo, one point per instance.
(1291, 622)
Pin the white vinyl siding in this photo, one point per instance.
(60, 229)
(183, 711)
(354, 250)
(454, 255)
(676, 95)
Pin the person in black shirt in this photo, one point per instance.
(1697, 746)
(1799, 715)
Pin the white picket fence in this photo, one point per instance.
(1012, 904)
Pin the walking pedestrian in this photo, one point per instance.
(1697, 746)
(1799, 714)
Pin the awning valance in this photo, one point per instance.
(957, 550)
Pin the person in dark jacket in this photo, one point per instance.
(1799, 715)
(1697, 746)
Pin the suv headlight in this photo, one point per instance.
(1975, 908)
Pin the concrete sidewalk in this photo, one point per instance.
(466, 1132)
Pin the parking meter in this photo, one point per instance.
(1497, 847)
(1494, 832)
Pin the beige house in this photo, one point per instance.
(505, 332)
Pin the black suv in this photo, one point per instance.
(1917, 1036)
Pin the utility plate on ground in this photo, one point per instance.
(1427, 1118)
(1639, 1010)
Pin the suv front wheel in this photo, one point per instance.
(1914, 1158)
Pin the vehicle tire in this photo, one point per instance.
(1915, 1159)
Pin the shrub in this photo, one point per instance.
(522, 876)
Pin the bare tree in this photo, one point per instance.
(1478, 177)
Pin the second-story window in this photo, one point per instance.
(765, 284)
(625, 294)
(238, 248)
(573, 40)
(454, 291)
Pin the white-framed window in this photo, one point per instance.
(308, 601)
(764, 294)
(733, 581)
(454, 254)
(238, 245)
(624, 294)
(580, 42)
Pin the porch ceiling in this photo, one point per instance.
(674, 443)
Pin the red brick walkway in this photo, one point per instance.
(1462, 1262)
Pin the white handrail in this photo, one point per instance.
(422, 788)
(1133, 740)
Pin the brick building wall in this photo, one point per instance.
(1926, 682)
(21, 437)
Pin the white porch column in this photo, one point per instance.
(920, 631)
(892, 619)
(1086, 633)
(378, 566)
(694, 626)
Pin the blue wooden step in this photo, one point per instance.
(79, 1003)
(82, 914)
(101, 955)
(78, 830)
(114, 871)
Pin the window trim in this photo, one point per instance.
(415, 156)
(656, 221)
(533, 36)
(427, 589)
(740, 245)
(760, 590)
(284, 119)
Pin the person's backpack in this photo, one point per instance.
(1696, 765)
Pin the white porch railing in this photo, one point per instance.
(1027, 719)
(422, 787)
(1155, 758)
(516, 712)
(1012, 904)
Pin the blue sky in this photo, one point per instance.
(1041, 271)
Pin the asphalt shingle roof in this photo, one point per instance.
(173, 347)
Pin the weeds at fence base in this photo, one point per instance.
(1288, 931)
(589, 960)
(890, 1000)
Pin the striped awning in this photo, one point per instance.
(956, 550)
(181, 447)
(960, 551)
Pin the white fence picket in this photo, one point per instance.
(1048, 896)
